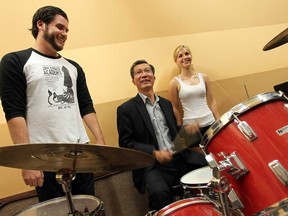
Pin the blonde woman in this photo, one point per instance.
(190, 93)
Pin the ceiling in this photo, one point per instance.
(95, 22)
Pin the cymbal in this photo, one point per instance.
(279, 40)
(81, 158)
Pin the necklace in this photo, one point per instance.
(192, 80)
(194, 75)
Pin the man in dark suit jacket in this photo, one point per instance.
(147, 123)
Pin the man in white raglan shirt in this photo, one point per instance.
(45, 98)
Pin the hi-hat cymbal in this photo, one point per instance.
(81, 158)
(279, 40)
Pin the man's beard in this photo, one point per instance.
(50, 38)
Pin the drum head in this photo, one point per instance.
(198, 177)
(59, 206)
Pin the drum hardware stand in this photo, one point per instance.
(231, 163)
(230, 202)
(65, 177)
(221, 184)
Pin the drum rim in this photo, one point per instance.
(240, 108)
(196, 185)
(183, 203)
(56, 199)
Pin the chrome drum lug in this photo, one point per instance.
(279, 171)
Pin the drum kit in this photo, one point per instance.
(246, 150)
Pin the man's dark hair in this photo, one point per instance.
(46, 14)
(137, 63)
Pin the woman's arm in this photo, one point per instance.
(211, 101)
(174, 98)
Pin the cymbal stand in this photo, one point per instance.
(65, 177)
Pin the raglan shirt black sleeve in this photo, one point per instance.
(84, 99)
(13, 84)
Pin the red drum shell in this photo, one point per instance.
(265, 114)
(189, 207)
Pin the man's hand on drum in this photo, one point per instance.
(33, 178)
(192, 128)
(162, 156)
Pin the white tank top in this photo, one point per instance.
(194, 102)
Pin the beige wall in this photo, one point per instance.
(231, 57)
(221, 55)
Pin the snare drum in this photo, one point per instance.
(195, 183)
(85, 204)
(253, 138)
(190, 206)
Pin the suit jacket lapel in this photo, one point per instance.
(169, 116)
(145, 116)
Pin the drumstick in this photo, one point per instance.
(184, 140)
(246, 91)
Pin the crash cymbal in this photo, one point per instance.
(81, 158)
(279, 40)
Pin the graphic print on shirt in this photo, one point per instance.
(60, 91)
